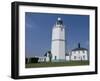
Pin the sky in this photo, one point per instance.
(38, 32)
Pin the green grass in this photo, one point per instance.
(56, 64)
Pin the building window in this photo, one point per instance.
(73, 52)
(83, 51)
(83, 56)
(74, 57)
(55, 57)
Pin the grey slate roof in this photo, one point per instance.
(47, 52)
(77, 49)
(66, 54)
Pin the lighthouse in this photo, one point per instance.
(58, 41)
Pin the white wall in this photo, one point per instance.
(58, 47)
(5, 41)
(79, 55)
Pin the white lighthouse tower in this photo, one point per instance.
(58, 41)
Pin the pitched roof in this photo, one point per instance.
(47, 53)
(77, 49)
(66, 54)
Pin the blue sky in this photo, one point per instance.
(38, 31)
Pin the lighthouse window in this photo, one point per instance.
(55, 57)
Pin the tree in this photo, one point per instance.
(50, 56)
(34, 60)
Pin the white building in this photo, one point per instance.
(58, 41)
(79, 53)
(67, 56)
(41, 59)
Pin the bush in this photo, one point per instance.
(34, 60)
(31, 60)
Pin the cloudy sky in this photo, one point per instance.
(38, 31)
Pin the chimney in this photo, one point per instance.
(78, 45)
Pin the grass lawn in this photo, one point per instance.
(56, 64)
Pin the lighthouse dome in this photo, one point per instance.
(59, 21)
